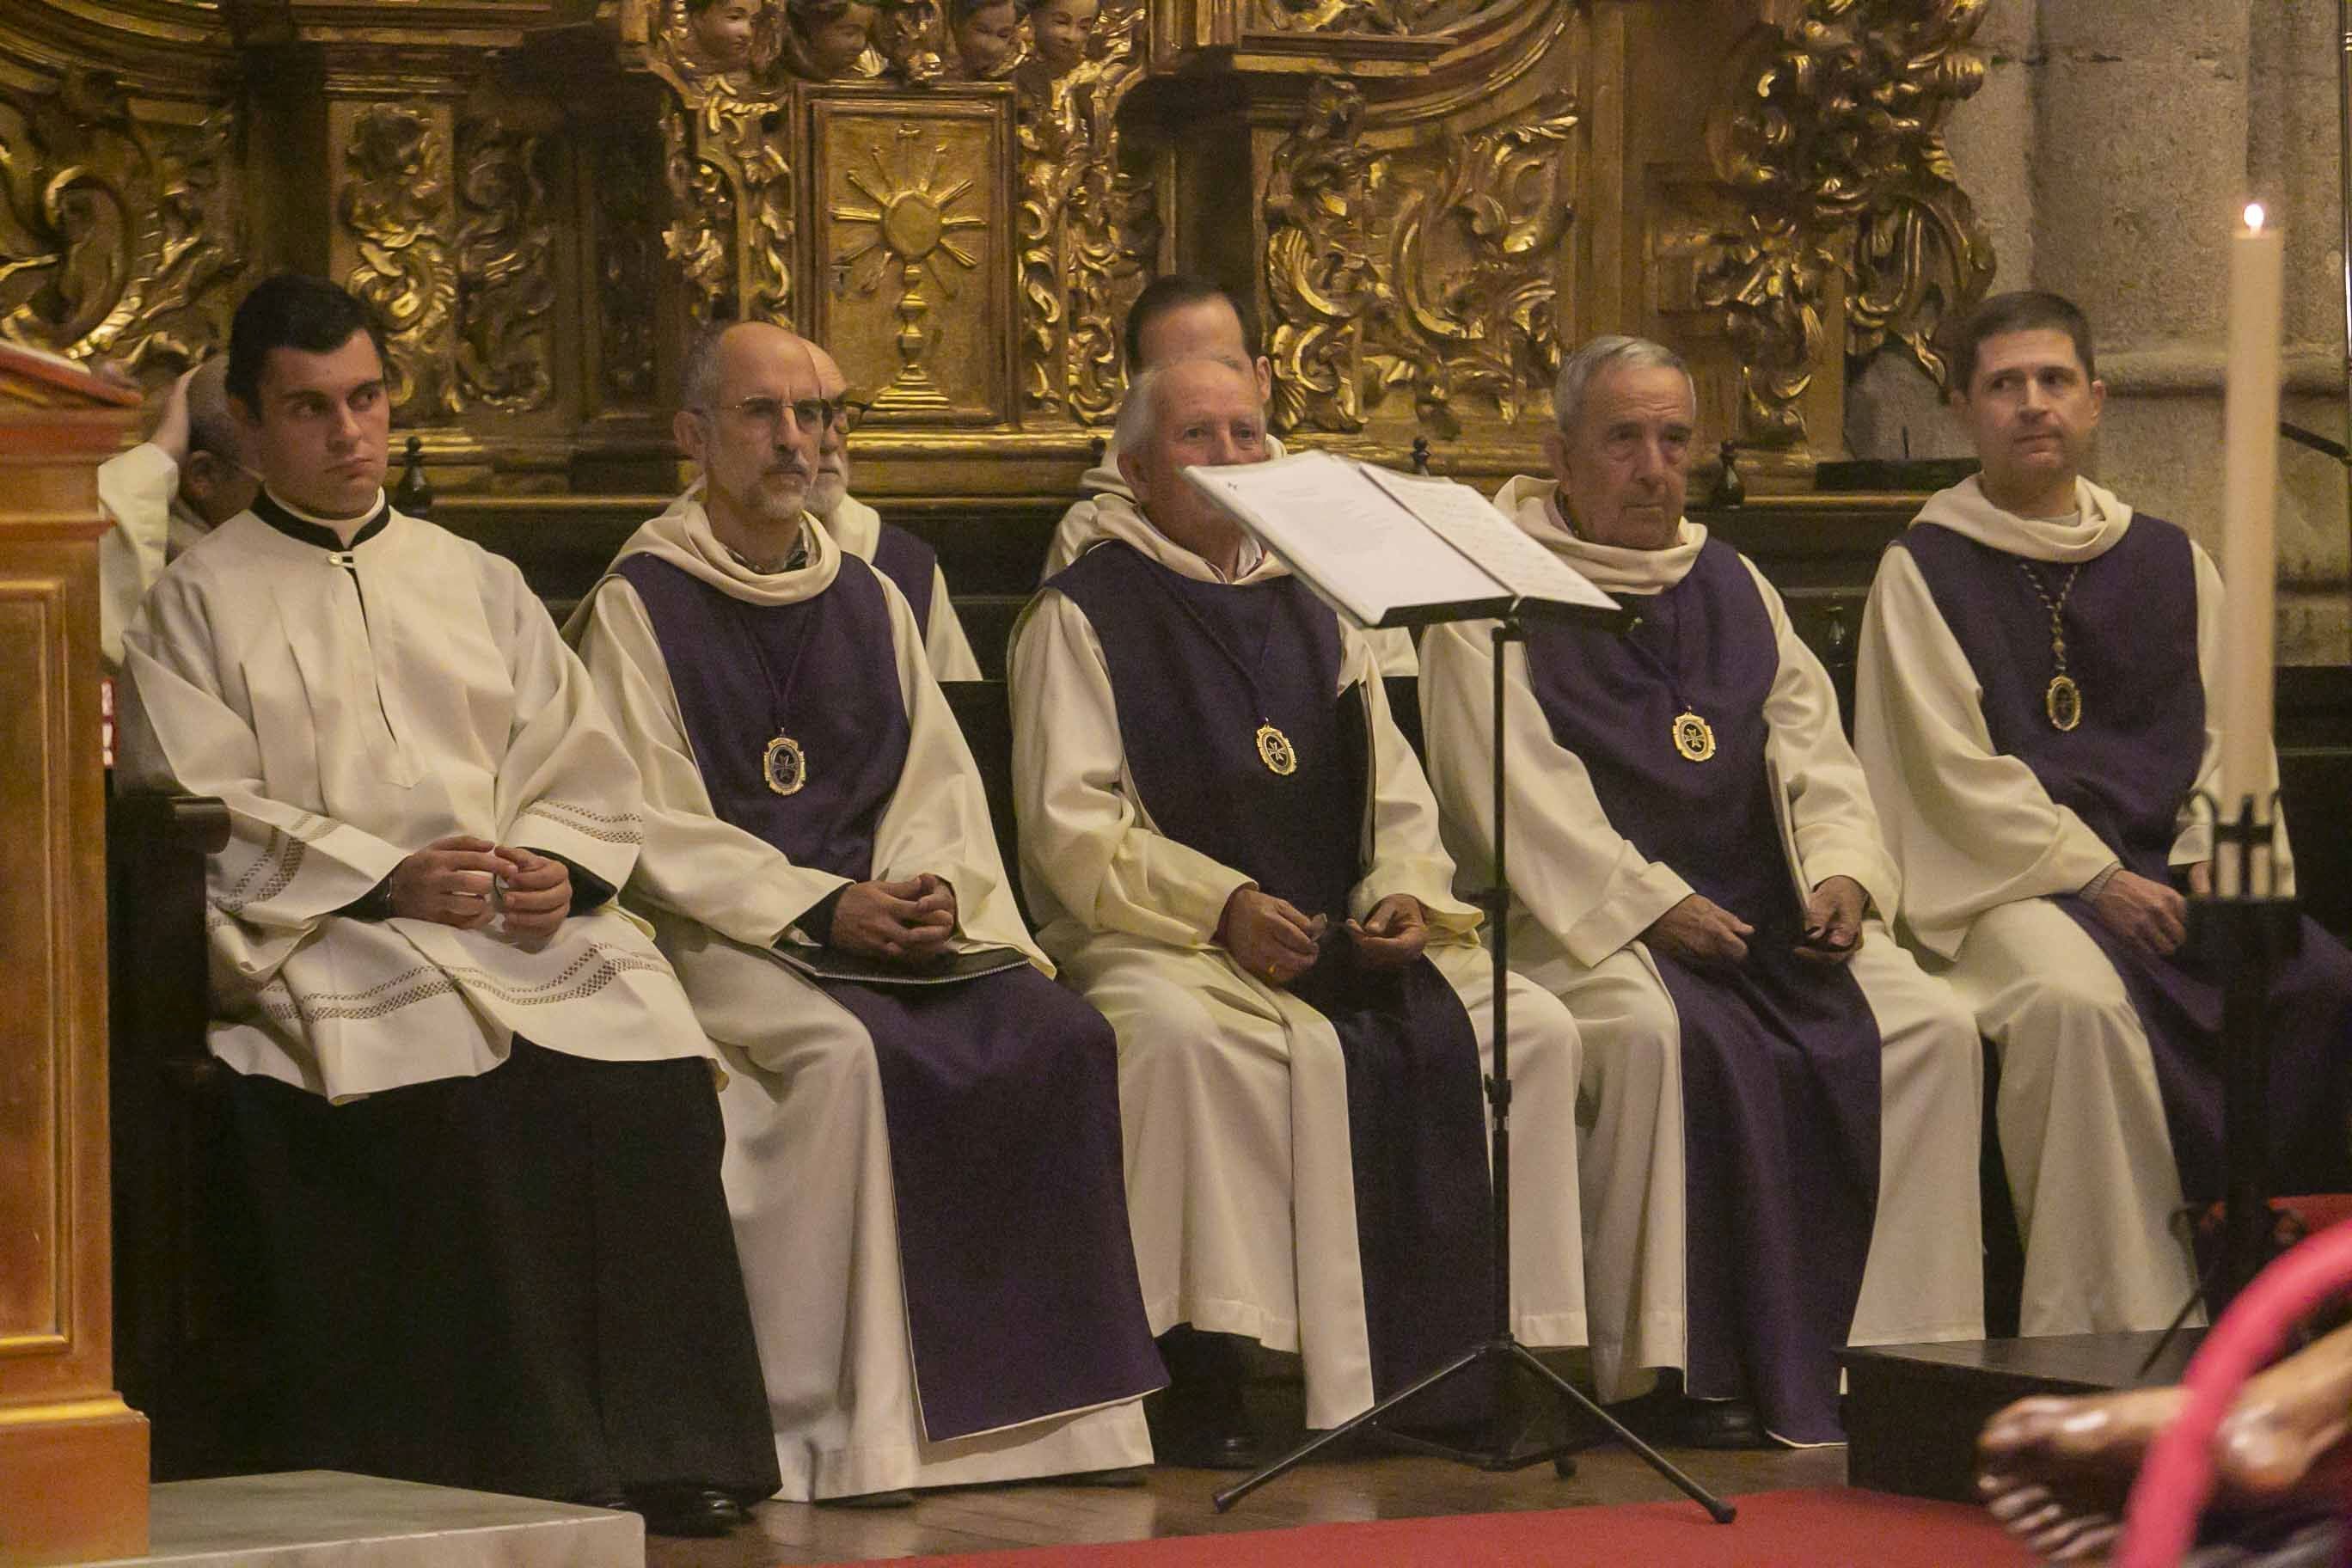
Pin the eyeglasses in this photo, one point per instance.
(808, 413)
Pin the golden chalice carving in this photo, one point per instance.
(913, 225)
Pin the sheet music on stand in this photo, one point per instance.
(1386, 549)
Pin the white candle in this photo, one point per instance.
(2248, 558)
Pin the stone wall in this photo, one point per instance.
(2111, 148)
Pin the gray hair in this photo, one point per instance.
(1140, 411)
(1608, 352)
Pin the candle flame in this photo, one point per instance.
(2254, 217)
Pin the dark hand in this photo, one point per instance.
(1393, 935)
(910, 920)
(1700, 930)
(537, 896)
(1268, 937)
(1833, 921)
(447, 882)
(2148, 914)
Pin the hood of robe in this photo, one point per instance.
(2099, 522)
(682, 537)
(1103, 479)
(1531, 500)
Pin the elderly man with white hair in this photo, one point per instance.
(889, 549)
(1233, 854)
(1700, 878)
(1180, 317)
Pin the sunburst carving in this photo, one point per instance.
(911, 224)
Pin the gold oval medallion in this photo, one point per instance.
(785, 766)
(1274, 751)
(1694, 737)
(2062, 702)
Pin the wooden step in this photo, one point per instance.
(1912, 1412)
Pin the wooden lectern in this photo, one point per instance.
(73, 1457)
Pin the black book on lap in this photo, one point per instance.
(947, 969)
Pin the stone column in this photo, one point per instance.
(2295, 153)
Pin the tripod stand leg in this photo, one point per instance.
(1723, 1511)
(1321, 1440)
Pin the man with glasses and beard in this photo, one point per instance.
(923, 1139)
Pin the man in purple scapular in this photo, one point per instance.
(922, 1129)
(2035, 711)
(1781, 1154)
(1233, 854)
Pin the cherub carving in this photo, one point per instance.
(1060, 32)
(987, 37)
(828, 39)
(719, 35)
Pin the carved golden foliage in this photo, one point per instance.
(505, 259)
(701, 234)
(1835, 147)
(1391, 16)
(1433, 270)
(117, 237)
(725, 168)
(1088, 227)
(396, 207)
(911, 37)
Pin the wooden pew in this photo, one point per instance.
(181, 1255)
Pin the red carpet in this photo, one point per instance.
(1827, 1527)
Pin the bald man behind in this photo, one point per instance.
(194, 473)
(923, 1168)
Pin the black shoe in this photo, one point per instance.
(1675, 1420)
(1201, 1451)
(700, 1511)
(1200, 1420)
(1722, 1423)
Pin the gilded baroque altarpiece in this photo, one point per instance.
(1422, 199)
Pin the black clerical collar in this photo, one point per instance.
(273, 511)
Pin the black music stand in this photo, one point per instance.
(1501, 1348)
